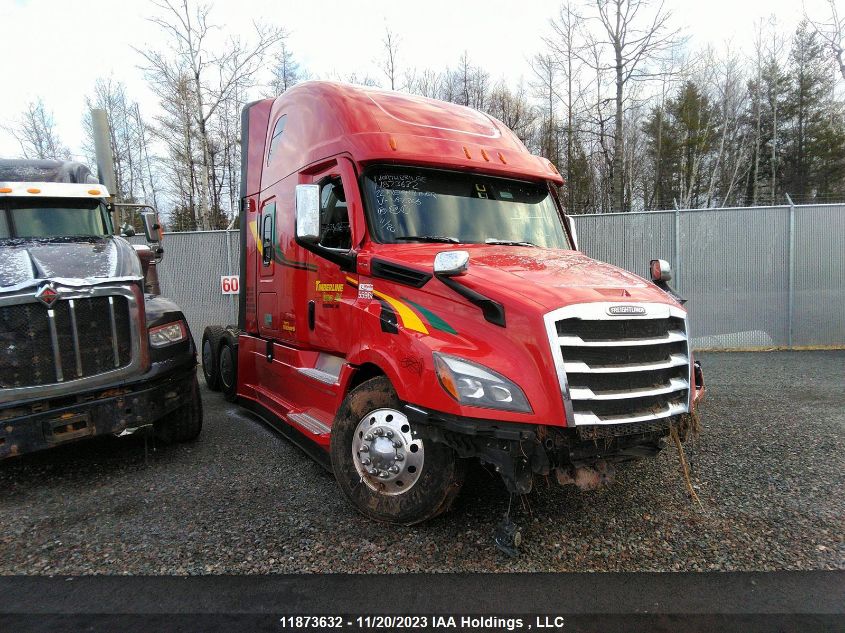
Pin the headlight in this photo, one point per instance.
(478, 386)
(168, 334)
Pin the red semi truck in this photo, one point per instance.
(412, 295)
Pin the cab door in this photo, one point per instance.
(267, 313)
(331, 322)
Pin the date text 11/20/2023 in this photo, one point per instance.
(460, 622)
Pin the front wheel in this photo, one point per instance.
(183, 424)
(384, 468)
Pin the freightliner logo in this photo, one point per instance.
(626, 310)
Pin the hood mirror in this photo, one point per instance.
(570, 223)
(661, 271)
(451, 263)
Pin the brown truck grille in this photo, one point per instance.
(76, 338)
(623, 369)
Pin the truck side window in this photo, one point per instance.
(334, 217)
(267, 233)
(277, 136)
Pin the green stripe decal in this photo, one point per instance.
(436, 322)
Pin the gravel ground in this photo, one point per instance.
(769, 468)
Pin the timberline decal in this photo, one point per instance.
(321, 287)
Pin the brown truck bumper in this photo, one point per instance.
(46, 424)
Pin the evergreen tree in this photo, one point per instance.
(814, 156)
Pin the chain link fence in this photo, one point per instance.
(754, 278)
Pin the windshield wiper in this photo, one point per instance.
(493, 240)
(429, 238)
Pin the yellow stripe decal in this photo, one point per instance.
(253, 227)
(409, 320)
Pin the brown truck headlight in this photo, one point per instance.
(168, 334)
(478, 386)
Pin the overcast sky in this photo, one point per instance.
(56, 49)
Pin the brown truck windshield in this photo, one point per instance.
(53, 217)
(408, 204)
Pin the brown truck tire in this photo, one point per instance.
(183, 424)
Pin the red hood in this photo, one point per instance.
(549, 277)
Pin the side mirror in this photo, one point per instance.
(661, 271)
(308, 213)
(571, 224)
(451, 263)
(127, 230)
(152, 229)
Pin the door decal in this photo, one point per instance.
(407, 317)
(278, 255)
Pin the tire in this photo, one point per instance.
(209, 351)
(183, 424)
(227, 367)
(429, 475)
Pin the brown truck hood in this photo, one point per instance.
(24, 261)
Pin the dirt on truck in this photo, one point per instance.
(85, 347)
(412, 296)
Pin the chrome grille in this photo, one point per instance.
(74, 339)
(621, 369)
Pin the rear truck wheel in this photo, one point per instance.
(227, 367)
(183, 424)
(384, 468)
(210, 349)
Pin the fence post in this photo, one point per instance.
(229, 272)
(791, 272)
(676, 255)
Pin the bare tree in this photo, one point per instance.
(35, 132)
(390, 45)
(727, 85)
(513, 109)
(832, 31)
(427, 83)
(545, 67)
(287, 71)
(215, 70)
(598, 118)
(128, 139)
(774, 72)
(175, 130)
(565, 46)
(635, 40)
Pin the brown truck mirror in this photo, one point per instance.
(152, 229)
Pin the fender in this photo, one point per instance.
(389, 366)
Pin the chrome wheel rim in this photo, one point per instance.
(385, 452)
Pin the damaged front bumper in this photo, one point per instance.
(36, 426)
(583, 455)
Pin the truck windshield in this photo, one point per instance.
(408, 204)
(53, 217)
